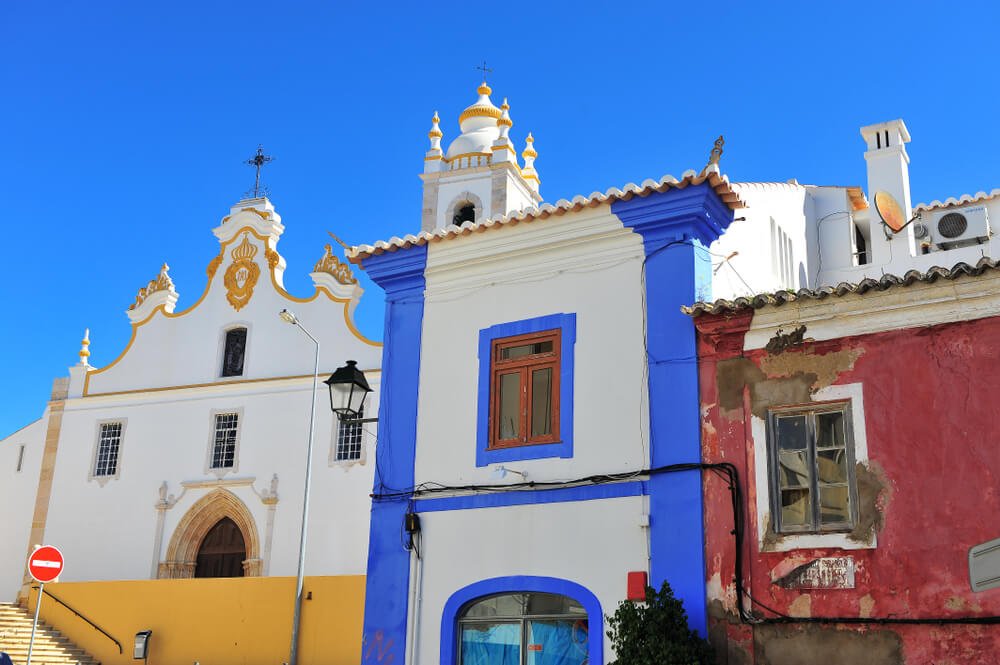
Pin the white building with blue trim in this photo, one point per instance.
(539, 407)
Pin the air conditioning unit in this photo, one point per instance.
(960, 227)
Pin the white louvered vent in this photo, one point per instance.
(984, 566)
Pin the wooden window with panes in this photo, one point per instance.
(524, 389)
(812, 461)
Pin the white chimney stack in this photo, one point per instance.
(888, 163)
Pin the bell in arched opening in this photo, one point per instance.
(465, 213)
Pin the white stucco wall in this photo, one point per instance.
(592, 543)
(17, 498)
(584, 263)
(108, 528)
(756, 266)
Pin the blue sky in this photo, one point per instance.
(125, 124)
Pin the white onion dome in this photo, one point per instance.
(479, 126)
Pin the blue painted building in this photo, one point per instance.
(538, 376)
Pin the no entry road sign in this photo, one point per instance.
(45, 563)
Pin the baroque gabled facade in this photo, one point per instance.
(201, 421)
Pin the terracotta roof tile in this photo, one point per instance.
(951, 201)
(715, 180)
(779, 298)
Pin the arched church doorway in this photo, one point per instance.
(222, 552)
(220, 527)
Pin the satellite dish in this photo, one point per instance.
(890, 211)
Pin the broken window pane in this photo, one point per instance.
(830, 429)
(831, 465)
(792, 432)
(834, 506)
(794, 468)
(795, 507)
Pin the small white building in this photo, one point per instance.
(186, 455)
(792, 236)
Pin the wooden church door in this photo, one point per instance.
(222, 552)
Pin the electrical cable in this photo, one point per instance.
(728, 472)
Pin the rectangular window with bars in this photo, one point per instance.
(349, 438)
(224, 445)
(109, 440)
(812, 463)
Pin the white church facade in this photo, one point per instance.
(194, 437)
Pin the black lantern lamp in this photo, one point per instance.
(348, 390)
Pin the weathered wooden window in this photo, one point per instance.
(812, 469)
(232, 356)
(525, 389)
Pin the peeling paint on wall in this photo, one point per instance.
(874, 493)
(812, 644)
(926, 482)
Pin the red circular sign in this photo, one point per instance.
(45, 563)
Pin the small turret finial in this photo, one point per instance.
(504, 122)
(529, 150)
(84, 348)
(435, 134)
(529, 154)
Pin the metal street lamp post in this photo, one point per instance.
(288, 317)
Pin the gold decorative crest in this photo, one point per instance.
(241, 276)
(331, 265)
(213, 265)
(272, 258)
(161, 283)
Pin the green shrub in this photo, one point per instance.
(656, 632)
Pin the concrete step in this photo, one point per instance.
(50, 646)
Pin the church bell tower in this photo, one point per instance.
(478, 176)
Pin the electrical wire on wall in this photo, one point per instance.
(730, 475)
(411, 537)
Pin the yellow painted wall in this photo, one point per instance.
(225, 621)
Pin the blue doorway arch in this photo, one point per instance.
(515, 584)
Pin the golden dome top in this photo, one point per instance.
(483, 108)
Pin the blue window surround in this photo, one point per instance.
(676, 226)
(517, 584)
(401, 274)
(564, 448)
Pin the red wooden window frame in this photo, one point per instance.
(523, 367)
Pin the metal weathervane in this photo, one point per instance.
(484, 69)
(258, 160)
